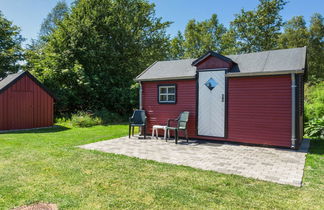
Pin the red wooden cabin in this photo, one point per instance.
(24, 103)
(254, 98)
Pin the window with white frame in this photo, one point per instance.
(167, 94)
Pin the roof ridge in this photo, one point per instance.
(267, 51)
(266, 60)
(178, 59)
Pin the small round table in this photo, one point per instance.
(156, 130)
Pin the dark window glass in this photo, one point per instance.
(163, 90)
(163, 98)
(171, 90)
(171, 98)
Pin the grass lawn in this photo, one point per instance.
(45, 166)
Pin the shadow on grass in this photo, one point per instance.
(53, 129)
(317, 146)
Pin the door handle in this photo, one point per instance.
(223, 97)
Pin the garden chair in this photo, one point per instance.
(181, 125)
(138, 119)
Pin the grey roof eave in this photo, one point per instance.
(300, 71)
(165, 79)
(269, 73)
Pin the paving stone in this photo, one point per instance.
(282, 166)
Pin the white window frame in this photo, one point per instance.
(167, 94)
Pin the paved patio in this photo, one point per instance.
(282, 166)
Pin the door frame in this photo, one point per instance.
(225, 105)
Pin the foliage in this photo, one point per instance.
(46, 165)
(91, 118)
(295, 33)
(314, 101)
(258, 30)
(315, 128)
(34, 50)
(11, 52)
(85, 119)
(108, 117)
(314, 110)
(50, 23)
(198, 38)
(134, 95)
(96, 51)
(201, 37)
(229, 43)
(177, 49)
(316, 49)
(251, 31)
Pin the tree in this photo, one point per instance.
(229, 43)
(34, 50)
(258, 30)
(316, 48)
(295, 33)
(94, 54)
(56, 15)
(11, 52)
(177, 49)
(201, 37)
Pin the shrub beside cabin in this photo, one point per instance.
(24, 103)
(254, 98)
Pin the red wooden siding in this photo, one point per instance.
(25, 105)
(158, 114)
(259, 109)
(212, 62)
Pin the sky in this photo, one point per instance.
(29, 14)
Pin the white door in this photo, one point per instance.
(211, 104)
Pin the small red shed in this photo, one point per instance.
(254, 98)
(24, 103)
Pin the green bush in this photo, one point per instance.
(109, 117)
(91, 118)
(315, 128)
(314, 110)
(85, 119)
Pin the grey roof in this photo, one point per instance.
(9, 79)
(271, 62)
(169, 69)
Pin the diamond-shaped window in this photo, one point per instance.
(211, 84)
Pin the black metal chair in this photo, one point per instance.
(138, 119)
(181, 125)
